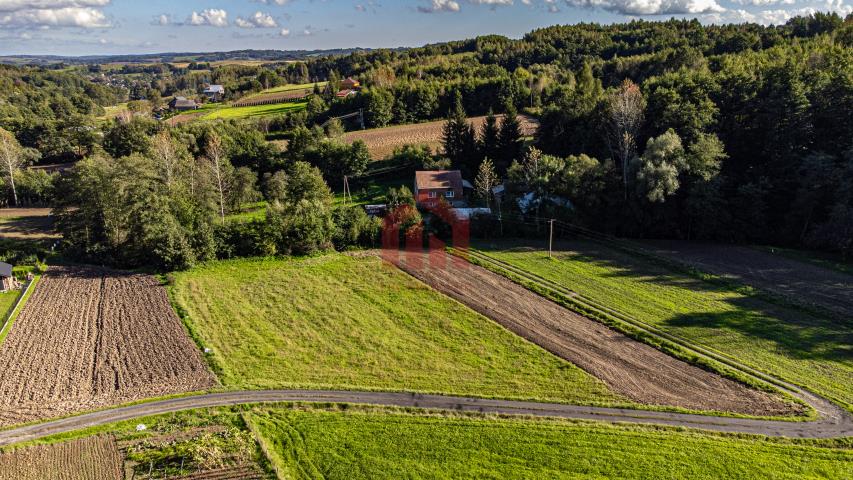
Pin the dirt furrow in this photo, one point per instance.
(634, 369)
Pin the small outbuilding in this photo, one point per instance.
(350, 84)
(182, 104)
(7, 278)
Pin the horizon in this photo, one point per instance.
(81, 28)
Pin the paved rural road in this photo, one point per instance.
(834, 422)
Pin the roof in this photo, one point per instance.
(182, 102)
(345, 93)
(215, 89)
(349, 83)
(438, 179)
(5, 270)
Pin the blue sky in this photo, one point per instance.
(84, 27)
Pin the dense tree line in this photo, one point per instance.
(647, 129)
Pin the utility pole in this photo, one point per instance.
(551, 239)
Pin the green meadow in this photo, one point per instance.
(338, 321)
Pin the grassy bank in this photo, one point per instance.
(339, 321)
(363, 444)
(791, 344)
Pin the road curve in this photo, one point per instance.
(826, 427)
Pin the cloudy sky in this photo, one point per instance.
(84, 27)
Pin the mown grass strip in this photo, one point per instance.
(358, 443)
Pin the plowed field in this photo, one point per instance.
(631, 368)
(381, 142)
(93, 458)
(89, 338)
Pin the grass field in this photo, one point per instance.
(339, 321)
(217, 110)
(7, 300)
(811, 351)
(375, 445)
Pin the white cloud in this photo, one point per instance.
(83, 17)
(212, 16)
(284, 33)
(162, 20)
(440, 6)
(53, 13)
(276, 2)
(16, 5)
(651, 7)
(764, 3)
(258, 20)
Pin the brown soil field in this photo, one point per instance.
(92, 458)
(381, 142)
(796, 280)
(26, 223)
(89, 338)
(634, 369)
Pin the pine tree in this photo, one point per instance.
(509, 140)
(460, 143)
(489, 137)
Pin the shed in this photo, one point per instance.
(182, 103)
(7, 278)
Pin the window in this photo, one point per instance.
(448, 194)
(432, 194)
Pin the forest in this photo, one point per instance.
(673, 129)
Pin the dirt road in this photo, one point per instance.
(828, 427)
(790, 278)
(631, 368)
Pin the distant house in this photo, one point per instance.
(215, 93)
(350, 84)
(345, 93)
(7, 279)
(182, 103)
(430, 186)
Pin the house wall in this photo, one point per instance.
(423, 199)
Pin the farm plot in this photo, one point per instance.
(381, 142)
(631, 368)
(369, 444)
(353, 322)
(92, 458)
(89, 338)
(811, 351)
(799, 281)
(26, 224)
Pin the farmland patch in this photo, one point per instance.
(92, 458)
(89, 338)
(381, 142)
(347, 322)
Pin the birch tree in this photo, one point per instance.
(220, 169)
(12, 157)
(166, 155)
(625, 110)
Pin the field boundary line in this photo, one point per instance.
(16, 309)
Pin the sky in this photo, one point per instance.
(99, 27)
